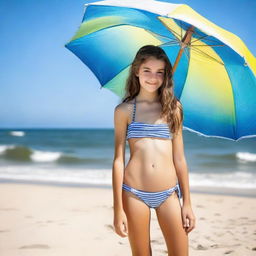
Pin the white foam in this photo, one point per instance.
(41, 156)
(17, 133)
(246, 156)
(59, 175)
(240, 180)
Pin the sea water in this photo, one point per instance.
(85, 157)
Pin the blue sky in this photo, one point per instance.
(43, 85)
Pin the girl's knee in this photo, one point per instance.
(142, 251)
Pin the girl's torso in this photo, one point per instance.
(150, 167)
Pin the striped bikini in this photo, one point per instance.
(153, 199)
(141, 130)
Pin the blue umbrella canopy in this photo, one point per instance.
(214, 74)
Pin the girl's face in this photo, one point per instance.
(151, 74)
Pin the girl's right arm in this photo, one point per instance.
(120, 123)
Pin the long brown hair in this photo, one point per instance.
(170, 104)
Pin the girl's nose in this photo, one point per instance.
(153, 76)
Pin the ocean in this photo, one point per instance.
(83, 157)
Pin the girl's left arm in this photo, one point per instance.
(181, 168)
(182, 174)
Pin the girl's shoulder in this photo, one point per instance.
(125, 107)
(122, 113)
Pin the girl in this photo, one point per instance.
(150, 118)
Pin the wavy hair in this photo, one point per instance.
(171, 106)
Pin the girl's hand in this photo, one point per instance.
(188, 218)
(120, 223)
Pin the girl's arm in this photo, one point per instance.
(182, 174)
(181, 166)
(120, 125)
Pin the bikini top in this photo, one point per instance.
(141, 130)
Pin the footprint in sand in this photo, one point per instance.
(8, 209)
(154, 241)
(35, 246)
(44, 222)
(243, 218)
(228, 252)
(109, 227)
(29, 217)
(163, 251)
(4, 230)
(201, 247)
(208, 238)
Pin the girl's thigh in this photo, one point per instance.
(138, 218)
(170, 221)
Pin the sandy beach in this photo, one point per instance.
(62, 221)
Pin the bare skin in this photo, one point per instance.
(155, 164)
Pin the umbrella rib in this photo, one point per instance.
(180, 30)
(206, 39)
(187, 53)
(175, 33)
(172, 31)
(196, 33)
(153, 33)
(202, 37)
(209, 40)
(174, 42)
(206, 55)
(208, 45)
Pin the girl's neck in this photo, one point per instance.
(146, 98)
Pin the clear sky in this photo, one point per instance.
(44, 85)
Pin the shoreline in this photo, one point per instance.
(251, 193)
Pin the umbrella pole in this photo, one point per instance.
(184, 43)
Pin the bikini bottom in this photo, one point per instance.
(153, 199)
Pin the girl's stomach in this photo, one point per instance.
(150, 167)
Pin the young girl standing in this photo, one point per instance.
(150, 118)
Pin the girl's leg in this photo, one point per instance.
(138, 218)
(170, 221)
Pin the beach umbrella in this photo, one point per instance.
(214, 71)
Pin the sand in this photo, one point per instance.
(48, 220)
